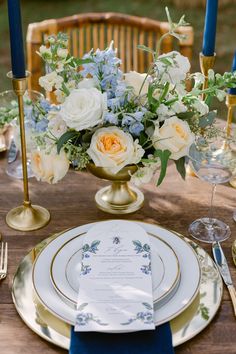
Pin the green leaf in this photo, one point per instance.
(64, 138)
(146, 49)
(185, 115)
(164, 157)
(142, 138)
(165, 91)
(208, 119)
(180, 166)
(83, 61)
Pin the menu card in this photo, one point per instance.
(115, 282)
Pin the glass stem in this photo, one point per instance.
(211, 203)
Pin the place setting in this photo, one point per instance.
(121, 283)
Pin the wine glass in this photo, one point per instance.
(213, 161)
(8, 100)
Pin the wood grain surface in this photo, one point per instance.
(175, 204)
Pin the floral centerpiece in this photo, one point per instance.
(114, 119)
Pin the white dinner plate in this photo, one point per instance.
(66, 265)
(183, 297)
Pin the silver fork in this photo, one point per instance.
(3, 260)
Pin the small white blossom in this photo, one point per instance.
(43, 50)
(142, 176)
(220, 94)
(60, 67)
(178, 107)
(199, 79)
(50, 80)
(201, 107)
(175, 71)
(60, 95)
(56, 126)
(211, 75)
(62, 52)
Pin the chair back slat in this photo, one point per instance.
(96, 30)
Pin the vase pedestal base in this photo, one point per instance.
(119, 198)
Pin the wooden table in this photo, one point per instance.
(175, 204)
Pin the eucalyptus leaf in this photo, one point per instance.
(180, 166)
(150, 130)
(207, 120)
(164, 156)
(64, 138)
(146, 49)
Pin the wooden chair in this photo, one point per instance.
(96, 30)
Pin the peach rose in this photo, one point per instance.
(113, 148)
(49, 167)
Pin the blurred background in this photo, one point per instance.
(38, 10)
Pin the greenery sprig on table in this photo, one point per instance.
(115, 119)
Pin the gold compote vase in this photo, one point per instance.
(119, 197)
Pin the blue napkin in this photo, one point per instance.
(158, 341)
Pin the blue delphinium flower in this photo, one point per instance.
(105, 67)
(111, 118)
(133, 121)
(39, 112)
(136, 128)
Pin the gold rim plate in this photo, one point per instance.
(184, 327)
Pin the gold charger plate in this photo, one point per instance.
(184, 327)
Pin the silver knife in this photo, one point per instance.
(222, 265)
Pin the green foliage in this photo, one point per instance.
(164, 156)
(180, 166)
(65, 138)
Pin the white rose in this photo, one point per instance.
(112, 148)
(201, 107)
(49, 167)
(84, 108)
(56, 125)
(135, 80)
(176, 71)
(175, 136)
(50, 80)
(87, 83)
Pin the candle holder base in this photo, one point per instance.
(27, 217)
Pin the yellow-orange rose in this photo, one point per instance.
(174, 135)
(49, 167)
(111, 147)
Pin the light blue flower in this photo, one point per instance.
(111, 118)
(105, 67)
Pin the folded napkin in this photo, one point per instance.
(158, 341)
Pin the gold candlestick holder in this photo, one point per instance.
(26, 217)
(206, 63)
(231, 104)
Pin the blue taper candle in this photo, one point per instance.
(232, 91)
(209, 36)
(16, 39)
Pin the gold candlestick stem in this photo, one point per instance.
(26, 217)
(206, 63)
